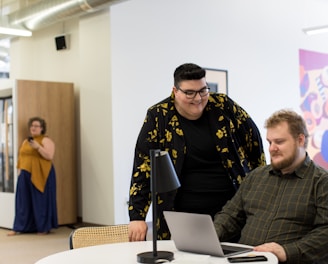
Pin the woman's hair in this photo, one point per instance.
(296, 123)
(41, 121)
(188, 71)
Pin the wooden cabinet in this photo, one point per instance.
(53, 101)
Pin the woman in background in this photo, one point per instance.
(36, 208)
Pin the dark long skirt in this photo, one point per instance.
(35, 211)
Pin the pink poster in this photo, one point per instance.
(314, 102)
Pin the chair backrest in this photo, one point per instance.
(97, 235)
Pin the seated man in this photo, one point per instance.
(283, 207)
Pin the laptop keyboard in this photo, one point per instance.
(230, 249)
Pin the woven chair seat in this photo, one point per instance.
(97, 235)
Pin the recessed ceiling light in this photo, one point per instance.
(316, 30)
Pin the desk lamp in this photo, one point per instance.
(163, 179)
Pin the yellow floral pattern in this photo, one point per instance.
(237, 140)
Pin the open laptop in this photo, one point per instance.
(196, 233)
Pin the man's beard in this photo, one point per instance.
(285, 163)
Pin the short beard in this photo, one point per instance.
(286, 163)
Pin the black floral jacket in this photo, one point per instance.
(237, 140)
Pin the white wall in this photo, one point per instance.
(256, 41)
(122, 61)
(96, 128)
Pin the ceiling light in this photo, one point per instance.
(7, 29)
(15, 31)
(316, 30)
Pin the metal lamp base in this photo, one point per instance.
(162, 257)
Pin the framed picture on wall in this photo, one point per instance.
(217, 80)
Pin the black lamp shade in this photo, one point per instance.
(166, 177)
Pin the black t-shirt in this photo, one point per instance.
(205, 184)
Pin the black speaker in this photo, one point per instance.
(61, 42)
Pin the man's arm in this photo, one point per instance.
(251, 138)
(313, 246)
(230, 221)
(140, 194)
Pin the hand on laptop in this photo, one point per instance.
(274, 248)
(137, 230)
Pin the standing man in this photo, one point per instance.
(282, 207)
(212, 142)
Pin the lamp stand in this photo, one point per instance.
(154, 256)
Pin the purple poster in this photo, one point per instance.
(314, 103)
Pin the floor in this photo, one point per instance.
(29, 248)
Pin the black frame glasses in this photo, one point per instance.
(192, 94)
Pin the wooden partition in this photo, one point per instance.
(53, 101)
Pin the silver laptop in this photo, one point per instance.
(196, 233)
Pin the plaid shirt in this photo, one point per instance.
(291, 210)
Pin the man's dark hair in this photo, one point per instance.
(188, 71)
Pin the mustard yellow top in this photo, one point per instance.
(29, 159)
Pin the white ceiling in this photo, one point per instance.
(37, 14)
(9, 6)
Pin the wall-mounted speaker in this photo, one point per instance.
(62, 42)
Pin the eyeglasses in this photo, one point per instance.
(192, 94)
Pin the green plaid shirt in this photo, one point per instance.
(291, 210)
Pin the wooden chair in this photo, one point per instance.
(97, 235)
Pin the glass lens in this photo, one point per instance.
(203, 92)
(192, 94)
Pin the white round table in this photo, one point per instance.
(126, 253)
